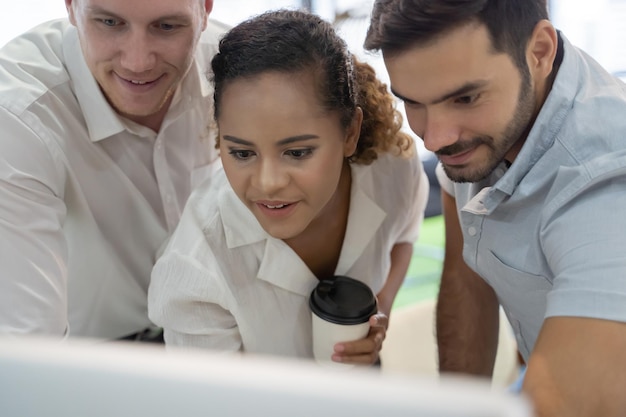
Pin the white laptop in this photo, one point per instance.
(43, 378)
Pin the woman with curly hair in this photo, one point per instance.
(317, 181)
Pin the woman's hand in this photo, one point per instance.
(364, 351)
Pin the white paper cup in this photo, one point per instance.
(341, 308)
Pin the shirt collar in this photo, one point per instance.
(101, 119)
(242, 228)
(544, 131)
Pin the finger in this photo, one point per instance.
(372, 343)
(379, 320)
(362, 359)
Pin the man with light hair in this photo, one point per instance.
(105, 120)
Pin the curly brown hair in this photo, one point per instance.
(381, 129)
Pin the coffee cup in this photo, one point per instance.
(341, 308)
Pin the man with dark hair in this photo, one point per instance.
(529, 134)
(105, 130)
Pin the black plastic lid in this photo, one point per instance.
(343, 300)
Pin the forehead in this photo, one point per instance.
(424, 72)
(284, 90)
(145, 9)
(273, 105)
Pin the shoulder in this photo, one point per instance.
(582, 95)
(203, 204)
(32, 64)
(201, 219)
(37, 105)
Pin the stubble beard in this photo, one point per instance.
(515, 131)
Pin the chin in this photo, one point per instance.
(280, 233)
(468, 173)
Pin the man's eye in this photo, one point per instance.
(109, 22)
(467, 99)
(167, 27)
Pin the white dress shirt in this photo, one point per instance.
(86, 197)
(224, 283)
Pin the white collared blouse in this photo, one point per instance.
(223, 283)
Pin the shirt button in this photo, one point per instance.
(472, 231)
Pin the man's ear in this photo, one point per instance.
(70, 11)
(353, 133)
(542, 49)
(208, 6)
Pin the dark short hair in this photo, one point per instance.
(290, 42)
(397, 25)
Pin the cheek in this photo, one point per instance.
(325, 176)
(182, 50)
(503, 108)
(176, 54)
(99, 50)
(496, 119)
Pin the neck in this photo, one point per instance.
(153, 121)
(319, 245)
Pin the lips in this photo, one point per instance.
(138, 82)
(457, 159)
(273, 205)
(277, 210)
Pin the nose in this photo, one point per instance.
(137, 52)
(270, 178)
(436, 128)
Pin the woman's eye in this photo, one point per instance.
(299, 153)
(241, 154)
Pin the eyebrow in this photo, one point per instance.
(286, 141)
(94, 10)
(101, 10)
(463, 90)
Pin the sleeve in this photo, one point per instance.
(418, 190)
(186, 299)
(33, 250)
(584, 245)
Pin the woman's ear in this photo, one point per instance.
(353, 133)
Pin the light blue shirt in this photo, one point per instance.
(549, 233)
